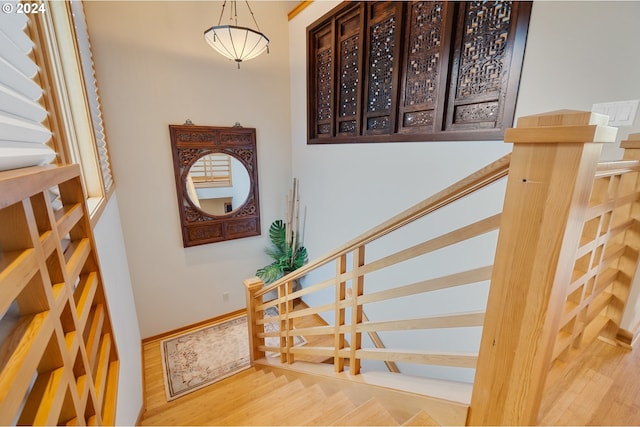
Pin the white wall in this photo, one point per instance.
(112, 256)
(578, 53)
(154, 69)
(350, 188)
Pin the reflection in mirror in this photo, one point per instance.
(218, 184)
(216, 173)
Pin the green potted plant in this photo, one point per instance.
(287, 254)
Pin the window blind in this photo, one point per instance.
(23, 136)
(88, 71)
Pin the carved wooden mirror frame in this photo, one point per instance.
(188, 144)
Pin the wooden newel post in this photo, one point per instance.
(252, 286)
(550, 180)
(632, 239)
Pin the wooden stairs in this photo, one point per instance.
(269, 395)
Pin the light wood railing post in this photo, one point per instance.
(286, 324)
(253, 285)
(550, 179)
(285, 306)
(357, 284)
(341, 268)
(377, 342)
(281, 322)
(622, 289)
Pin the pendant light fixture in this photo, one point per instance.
(234, 42)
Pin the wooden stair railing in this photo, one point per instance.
(566, 255)
(354, 327)
(212, 170)
(377, 341)
(606, 260)
(58, 358)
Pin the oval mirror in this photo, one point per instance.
(218, 184)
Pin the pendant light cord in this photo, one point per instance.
(222, 12)
(252, 15)
(233, 13)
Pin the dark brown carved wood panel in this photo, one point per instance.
(411, 71)
(322, 81)
(483, 52)
(190, 143)
(427, 56)
(350, 75)
(384, 22)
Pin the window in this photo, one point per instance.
(24, 128)
(415, 71)
(63, 53)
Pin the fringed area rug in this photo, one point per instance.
(202, 357)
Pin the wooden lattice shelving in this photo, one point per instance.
(58, 358)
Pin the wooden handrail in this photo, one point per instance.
(354, 298)
(567, 252)
(617, 167)
(477, 180)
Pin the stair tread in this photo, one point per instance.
(333, 408)
(298, 408)
(246, 379)
(403, 395)
(221, 408)
(241, 414)
(370, 413)
(271, 397)
(453, 391)
(200, 409)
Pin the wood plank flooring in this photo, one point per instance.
(601, 386)
(155, 396)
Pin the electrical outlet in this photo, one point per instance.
(621, 113)
(225, 297)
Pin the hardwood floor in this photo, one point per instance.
(601, 386)
(155, 397)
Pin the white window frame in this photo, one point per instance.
(79, 136)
